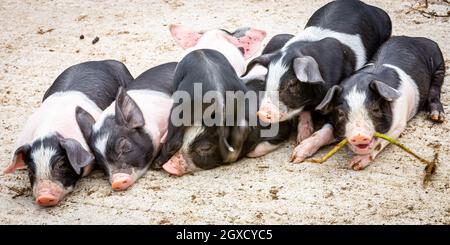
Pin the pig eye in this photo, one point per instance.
(377, 112)
(204, 147)
(341, 114)
(123, 146)
(292, 84)
(59, 164)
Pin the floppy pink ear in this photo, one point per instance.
(184, 36)
(18, 160)
(251, 41)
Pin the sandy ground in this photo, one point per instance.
(41, 38)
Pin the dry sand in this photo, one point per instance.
(41, 38)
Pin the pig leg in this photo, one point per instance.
(312, 144)
(305, 126)
(435, 108)
(262, 149)
(359, 162)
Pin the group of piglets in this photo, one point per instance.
(343, 76)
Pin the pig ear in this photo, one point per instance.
(184, 36)
(127, 111)
(85, 122)
(19, 159)
(224, 145)
(386, 91)
(231, 149)
(263, 60)
(326, 106)
(77, 155)
(307, 70)
(173, 142)
(249, 39)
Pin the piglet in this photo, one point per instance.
(129, 133)
(338, 39)
(236, 46)
(255, 144)
(51, 144)
(214, 60)
(405, 77)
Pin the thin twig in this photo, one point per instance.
(330, 153)
(402, 146)
(428, 14)
(430, 167)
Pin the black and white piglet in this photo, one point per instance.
(256, 145)
(129, 133)
(405, 76)
(338, 39)
(213, 61)
(51, 144)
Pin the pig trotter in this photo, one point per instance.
(311, 145)
(437, 116)
(435, 108)
(305, 126)
(262, 149)
(304, 150)
(360, 162)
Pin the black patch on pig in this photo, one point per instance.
(98, 80)
(141, 149)
(422, 60)
(276, 43)
(204, 150)
(336, 61)
(215, 73)
(61, 169)
(158, 78)
(371, 23)
(334, 65)
(126, 147)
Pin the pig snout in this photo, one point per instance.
(176, 165)
(361, 142)
(269, 113)
(48, 194)
(121, 181)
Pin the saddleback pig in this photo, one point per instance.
(405, 76)
(51, 144)
(213, 62)
(338, 39)
(129, 133)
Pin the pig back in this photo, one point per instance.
(158, 78)
(98, 80)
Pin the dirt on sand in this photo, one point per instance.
(42, 38)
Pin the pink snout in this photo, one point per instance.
(361, 142)
(47, 200)
(360, 139)
(121, 181)
(269, 113)
(48, 194)
(176, 165)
